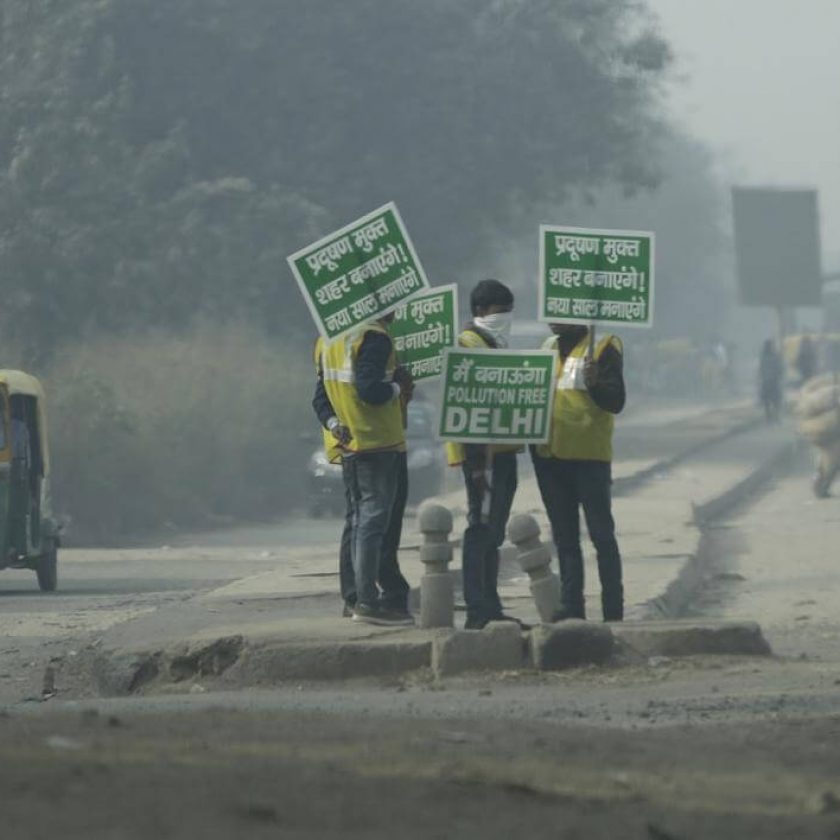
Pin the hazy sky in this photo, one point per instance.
(759, 80)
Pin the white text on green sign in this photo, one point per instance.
(358, 273)
(593, 275)
(423, 327)
(493, 396)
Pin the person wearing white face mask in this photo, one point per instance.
(497, 324)
(489, 470)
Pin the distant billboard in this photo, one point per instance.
(777, 246)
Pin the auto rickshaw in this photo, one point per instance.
(29, 536)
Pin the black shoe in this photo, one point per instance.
(406, 617)
(347, 611)
(475, 622)
(381, 617)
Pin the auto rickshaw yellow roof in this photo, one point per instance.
(18, 382)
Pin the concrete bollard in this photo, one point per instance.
(437, 595)
(535, 559)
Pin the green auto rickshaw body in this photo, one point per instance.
(28, 533)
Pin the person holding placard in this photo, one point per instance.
(394, 588)
(573, 468)
(490, 473)
(360, 382)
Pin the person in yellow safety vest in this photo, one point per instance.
(574, 468)
(489, 471)
(395, 589)
(360, 400)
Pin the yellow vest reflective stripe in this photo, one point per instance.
(373, 427)
(331, 446)
(455, 454)
(579, 429)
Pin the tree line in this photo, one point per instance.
(159, 161)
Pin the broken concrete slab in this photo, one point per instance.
(569, 644)
(690, 637)
(500, 646)
(274, 663)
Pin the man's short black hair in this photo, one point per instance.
(490, 293)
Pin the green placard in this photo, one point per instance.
(423, 327)
(358, 273)
(497, 396)
(592, 275)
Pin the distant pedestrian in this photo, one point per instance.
(574, 469)
(770, 381)
(806, 359)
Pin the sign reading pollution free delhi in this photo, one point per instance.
(358, 273)
(423, 327)
(497, 396)
(592, 275)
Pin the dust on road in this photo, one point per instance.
(223, 774)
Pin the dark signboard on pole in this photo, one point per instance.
(777, 246)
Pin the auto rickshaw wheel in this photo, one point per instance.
(47, 570)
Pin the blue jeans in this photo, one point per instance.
(372, 479)
(394, 587)
(480, 549)
(565, 487)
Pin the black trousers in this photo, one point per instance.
(482, 539)
(394, 588)
(565, 487)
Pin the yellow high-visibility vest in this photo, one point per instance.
(332, 447)
(580, 431)
(374, 427)
(455, 453)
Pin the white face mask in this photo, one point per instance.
(498, 325)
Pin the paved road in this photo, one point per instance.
(779, 562)
(659, 750)
(98, 590)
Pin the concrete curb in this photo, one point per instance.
(275, 663)
(570, 644)
(501, 646)
(689, 638)
(692, 577)
(232, 662)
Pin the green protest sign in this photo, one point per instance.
(497, 396)
(423, 327)
(591, 275)
(358, 273)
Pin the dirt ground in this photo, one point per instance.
(659, 749)
(222, 774)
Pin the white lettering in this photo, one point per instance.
(456, 420)
(479, 421)
(496, 425)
